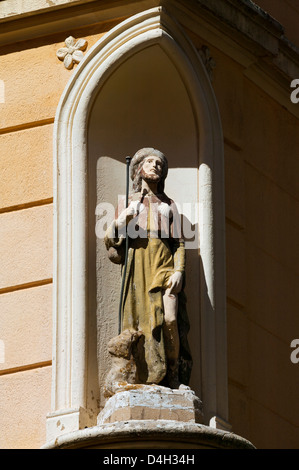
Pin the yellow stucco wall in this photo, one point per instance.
(262, 213)
(34, 80)
(262, 272)
(261, 190)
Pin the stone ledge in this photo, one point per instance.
(150, 417)
(18, 8)
(150, 434)
(247, 24)
(259, 26)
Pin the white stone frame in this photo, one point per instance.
(153, 26)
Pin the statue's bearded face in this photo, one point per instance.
(152, 169)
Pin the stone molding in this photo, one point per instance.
(240, 20)
(239, 28)
(18, 8)
(208, 60)
(72, 53)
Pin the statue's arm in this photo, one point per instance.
(112, 238)
(115, 233)
(179, 255)
(178, 242)
(176, 279)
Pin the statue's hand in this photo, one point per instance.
(175, 283)
(134, 208)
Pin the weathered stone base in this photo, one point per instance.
(150, 417)
(152, 402)
(150, 434)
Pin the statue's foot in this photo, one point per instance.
(173, 376)
(173, 379)
(174, 384)
(184, 387)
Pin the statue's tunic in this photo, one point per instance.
(156, 251)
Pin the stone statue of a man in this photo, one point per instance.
(154, 301)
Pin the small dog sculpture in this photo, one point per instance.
(127, 354)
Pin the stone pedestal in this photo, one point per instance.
(150, 417)
(152, 402)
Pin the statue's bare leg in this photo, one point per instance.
(171, 337)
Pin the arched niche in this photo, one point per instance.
(143, 103)
(142, 84)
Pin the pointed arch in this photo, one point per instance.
(70, 337)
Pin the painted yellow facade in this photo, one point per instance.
(261, 141)
(34, 81)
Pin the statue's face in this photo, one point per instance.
(152, 168)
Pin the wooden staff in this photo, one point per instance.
(128, 160)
